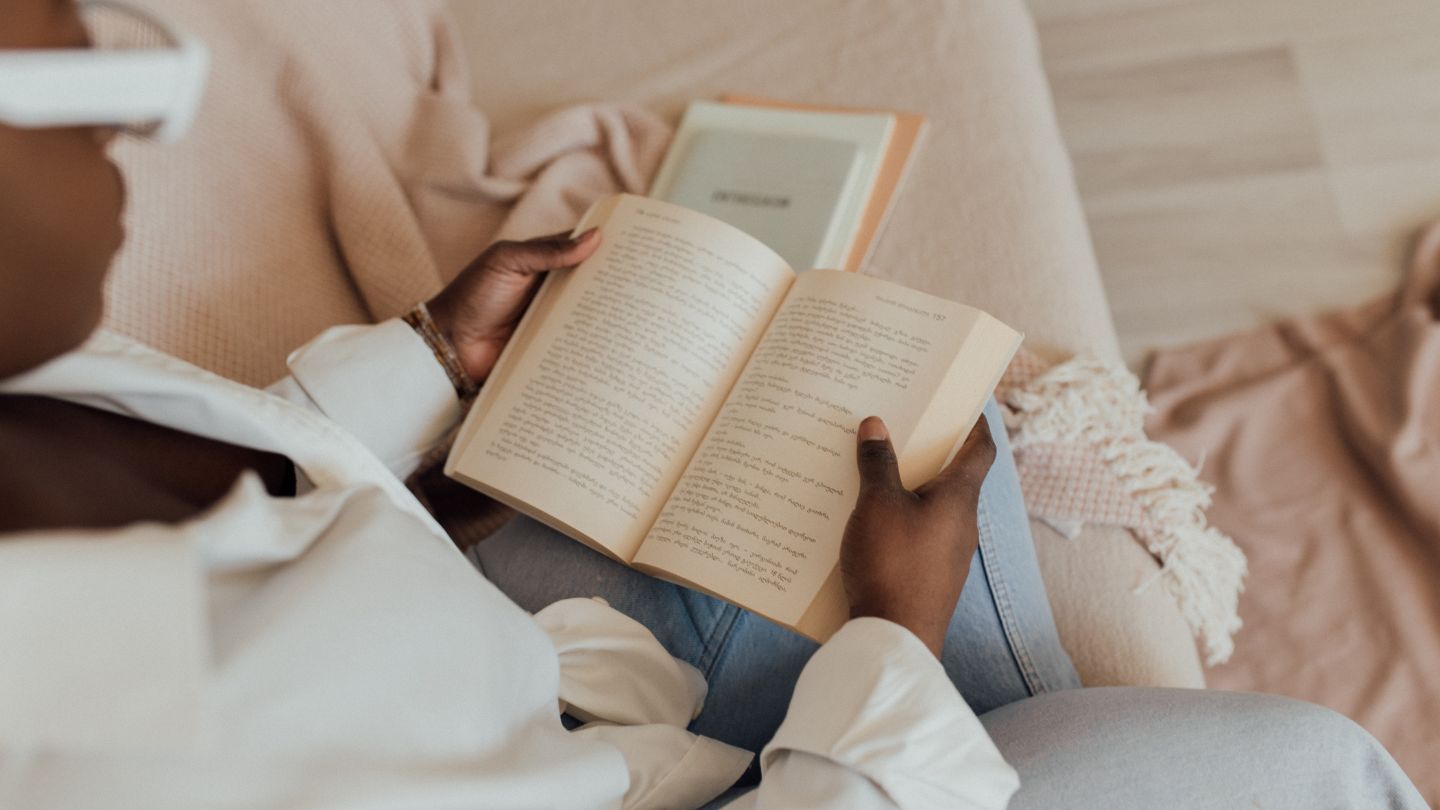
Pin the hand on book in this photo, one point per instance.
(906, 554)
(479, 310)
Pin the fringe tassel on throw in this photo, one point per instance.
(1100, 406)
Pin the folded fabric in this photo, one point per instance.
(1321, 437)
(337, 174)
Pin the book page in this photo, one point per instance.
(760, 512)
(595, 419)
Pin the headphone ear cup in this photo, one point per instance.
(153, 92)
(192, 71)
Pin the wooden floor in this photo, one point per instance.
(1245, 159)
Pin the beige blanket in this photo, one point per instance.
(1322, 436)
(339, 173)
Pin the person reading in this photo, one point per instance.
(213, 595)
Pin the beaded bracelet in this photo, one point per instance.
(424, 326)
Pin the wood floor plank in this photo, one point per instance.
(1242, 160)
(1376, 95)
(1190, 119)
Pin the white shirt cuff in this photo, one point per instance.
(383, 384)
(875, 701)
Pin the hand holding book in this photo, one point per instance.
(906, 555)
(478, 311)
(685, 403)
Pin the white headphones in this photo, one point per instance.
(151, 92)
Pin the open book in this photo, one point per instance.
(685, 403)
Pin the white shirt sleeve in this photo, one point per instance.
(380, 382)
(875, 723)
(103, 640)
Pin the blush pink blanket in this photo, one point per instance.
(1322, 437)
(338, 173)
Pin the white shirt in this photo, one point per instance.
(336, 649)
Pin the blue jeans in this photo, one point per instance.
(1002, 645)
